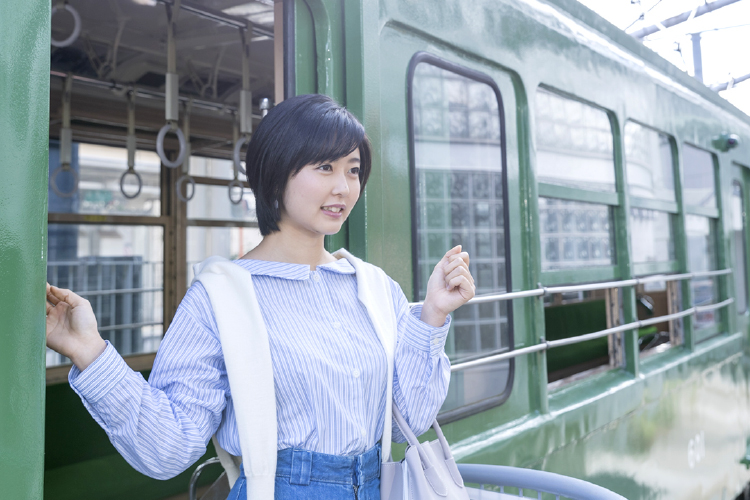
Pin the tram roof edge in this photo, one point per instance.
(583, 14)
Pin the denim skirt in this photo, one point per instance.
(307, 475)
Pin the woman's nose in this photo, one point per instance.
(341, 186)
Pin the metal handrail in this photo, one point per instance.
(128, 326)
(119, 291)
(544, 290)
(550, 344)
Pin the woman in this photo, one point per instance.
(307, 164)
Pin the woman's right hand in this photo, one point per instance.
(71, 327)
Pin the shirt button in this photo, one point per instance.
(316, 277)
(436, 341)
(356, 373)
(336, 325)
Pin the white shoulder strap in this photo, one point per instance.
(247, 356)
(374, 291)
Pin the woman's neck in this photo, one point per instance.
(282, 246)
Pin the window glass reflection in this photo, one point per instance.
(699, 187)
(99, 169)
(213, 167)
(574, 144)
(228, 242)
(120, 270)
(740, 248)
(458, 154)
(575, 234)
(651, 236)
(648, 156)
(212, 202)
(701, 245)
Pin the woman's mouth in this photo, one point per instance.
(333, 210)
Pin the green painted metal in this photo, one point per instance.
(24, 118)
(633, 429)
(604, 428)
(664, 206)
(575, 194)
(80, 461)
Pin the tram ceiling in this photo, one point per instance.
(123, 44)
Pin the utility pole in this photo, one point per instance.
(697, 58)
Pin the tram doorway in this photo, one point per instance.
(148, 102)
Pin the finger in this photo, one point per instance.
(463, 284)
(452, 251)
(67, 296)
(49, 307)
(455, 261)
(460, 271)
(51, 295)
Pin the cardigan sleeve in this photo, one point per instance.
(421, 367)
(162, 426)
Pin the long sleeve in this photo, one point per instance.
(421, 367)
(162, 426)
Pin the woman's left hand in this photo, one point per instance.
(450, 286)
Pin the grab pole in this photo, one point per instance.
(186, 177)
(236, 183)
(131, 149)
(246, 105)
(66, 144)
(172, 99)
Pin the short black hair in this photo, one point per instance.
(303, 130)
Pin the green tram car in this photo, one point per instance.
(601, 192)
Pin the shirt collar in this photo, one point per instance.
(289, 271)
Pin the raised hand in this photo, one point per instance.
(450, 286)
(71, 327)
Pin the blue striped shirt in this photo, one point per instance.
(329, 372)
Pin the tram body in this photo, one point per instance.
(511, 127)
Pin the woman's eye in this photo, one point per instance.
(325, 168)
(355, 170)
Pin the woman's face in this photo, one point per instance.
(319, 198)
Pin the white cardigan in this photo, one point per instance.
(232, 295)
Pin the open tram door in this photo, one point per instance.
(132, 204)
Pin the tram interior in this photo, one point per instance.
(129, 249)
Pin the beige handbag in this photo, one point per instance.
(427, 472)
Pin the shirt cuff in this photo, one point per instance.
(100, 377)
(424, 337)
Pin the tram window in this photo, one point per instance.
(740, 248)
(569, 315)
(650, 167)
(216, 226)
(120, 270)
(212, 167)
(698, 187)
(99, 169)
(701, 250)
(229, 242)
(574, 144)
(459, 191)
(652, 236)
(212, 202)
(575, 234)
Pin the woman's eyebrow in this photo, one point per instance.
(354, 160)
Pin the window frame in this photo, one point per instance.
(670, 207)
(610, 199)
(740, 169)
(714, 216)
(428, 58)
(174, 222)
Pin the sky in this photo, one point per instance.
(725, 38)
